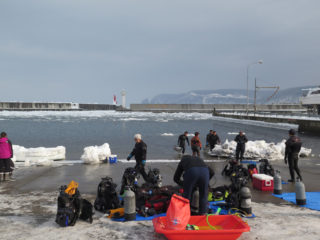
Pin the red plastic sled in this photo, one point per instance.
(228, 227)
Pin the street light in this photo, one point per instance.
(258, 62)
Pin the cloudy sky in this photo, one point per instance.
(86, 51)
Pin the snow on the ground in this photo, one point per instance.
(167, 134)
(39, 155)
(32, 216)
(96, 154)
(256, 150)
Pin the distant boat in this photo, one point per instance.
(312, 99)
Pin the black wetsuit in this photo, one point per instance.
(293, 147)
(140, 153)
(182, 142)
(213, 140)
(207, 138)
(196, 174)
(241, 146)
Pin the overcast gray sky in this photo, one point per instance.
(86, 51)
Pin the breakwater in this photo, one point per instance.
(305, 125)
(46, 106)
(210, 108)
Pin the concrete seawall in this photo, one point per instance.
(46, 106)
(209, 108)
(305, 125)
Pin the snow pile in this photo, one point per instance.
(96, 154)
(31, 216)
(256, 150)
(38, 156)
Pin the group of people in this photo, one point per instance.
(212, 139)
(193, 169)
(196, 173)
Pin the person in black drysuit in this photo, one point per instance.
(293, 146)
(140, 153)
(213, 140)
(241, 140)
(208, 137)
(196, 174)
(183, 138)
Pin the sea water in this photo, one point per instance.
(78, 129)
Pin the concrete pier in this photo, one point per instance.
(209, 108)
(46, 106)
(305, 125)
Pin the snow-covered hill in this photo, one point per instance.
(225, 96)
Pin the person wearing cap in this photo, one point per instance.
(6, 153)
(241, 140)
(183, 138)
(195, 173)
(140, 153)
(293, 147)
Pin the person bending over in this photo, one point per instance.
(140, 153)
(241, 140)
(195, 174)
(196, 144)
(183, 138)
(293, 146)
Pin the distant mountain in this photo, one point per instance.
(227, 96)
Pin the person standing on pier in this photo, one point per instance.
(293, 147)
(183, 138)
(6, 153)
(196, 144)
(213, 140)
(208, 138)
(140, 153)
(241, 141)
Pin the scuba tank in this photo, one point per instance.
(195, 201)
(277, 189)
(129, 199)
(245, 200)
(300, 193)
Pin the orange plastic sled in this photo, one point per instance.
(227, 227)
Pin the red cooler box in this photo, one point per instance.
(262, 182)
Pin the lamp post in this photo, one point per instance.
(258, 62)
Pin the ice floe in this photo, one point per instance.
(39, 155)
(96, 154)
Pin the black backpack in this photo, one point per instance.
(68, 208)
(239, 178)
(129, 179)
(266, 168)
(155, 177)
(86, 211)
(229, 168)
(107, 197)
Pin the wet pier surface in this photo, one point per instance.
(50, 178)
